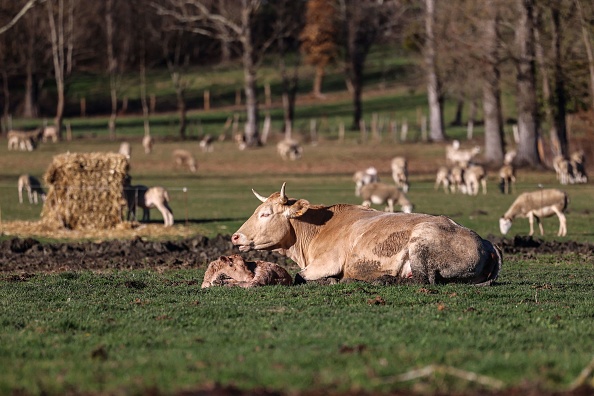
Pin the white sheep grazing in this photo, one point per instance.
(33, 187)
(289, 149)
(578, 167)
(443, 179)
(473, 176)
(364, 177)
(147, 144)
(147, 198)
(537, 205)
(507, 178)
(23, 140)
(399, 167)
(125, 149)
(185, 158)
(380, 194)
(457, 156)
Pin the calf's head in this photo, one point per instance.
(233, 267)
(269, 228)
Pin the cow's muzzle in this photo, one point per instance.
(240, 240)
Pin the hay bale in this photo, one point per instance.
(85, 191)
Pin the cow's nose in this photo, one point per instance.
(235, 238)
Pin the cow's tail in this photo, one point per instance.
(492, 266)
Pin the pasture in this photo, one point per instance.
(154, 329)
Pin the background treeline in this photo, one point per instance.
(537, 51)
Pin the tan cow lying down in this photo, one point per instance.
(234, 271)
(350, 241)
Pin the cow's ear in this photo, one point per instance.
(297, 209)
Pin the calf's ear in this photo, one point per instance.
(297, 209)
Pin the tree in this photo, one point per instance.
(494, 141)
(61, 33)
(318, 38)
(237, 21)
(527, 108)
(434, 92)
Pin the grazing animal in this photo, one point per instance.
(399, 167)
(457, 183)
(461, 157)
(385, 194)
(125, 149)
(206, 144)
(289, 149)
(353, 242)
(185, 158)
(235, 271)
(473, 176)
(50, 132)
(140, 196)
(578, 166)
(362, 178)
(147, 144)
(536, 205)
(23, 140)
(507, 178)
(443, 178)
(33, 187)
(563, 169)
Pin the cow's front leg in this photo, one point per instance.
(324, 269)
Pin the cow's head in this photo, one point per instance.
(269, 227)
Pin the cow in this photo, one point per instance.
(346, 241)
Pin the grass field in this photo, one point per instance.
(127, 332)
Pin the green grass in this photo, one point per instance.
(129, 331)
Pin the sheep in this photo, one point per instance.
(240, 140)
(507, 177)
(457, 183)
(399, 167)
(147, 144)
(184, 157)
(380, 193)
(537, 205)
(457, 156)
(235, 271)
(148, 198)
(289, 149)
(364, 177)
(33, 187)
(578, 166)
(23, 140)
(125, 149)
(473, 175)
(50, 132)
(443, 179)
(206, 144)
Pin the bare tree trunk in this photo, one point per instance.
(458, 116)
(6, 91)
(30, 102)
(143, 102)
(436, 124)
(111, 66)
(252, 137)
(559, 99)
(317, 86)
(494, 141)
(58, 56)
(589, 51)
(546, 93)
(528, 122)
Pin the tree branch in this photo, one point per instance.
(30, 4)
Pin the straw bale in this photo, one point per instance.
(85, 191)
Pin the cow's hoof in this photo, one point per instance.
(299, 280)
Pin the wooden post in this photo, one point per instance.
(341, 131)
(207, 100)
(238, 97)
(266, 128)
(374, 127)
(469, 129)
(404, 130)
(394, 130)
(424, 128)
(68, 132)
(152, 103)
(516, 132)
(313, 131)
(268, 95)
(83, 107)
(363, 130)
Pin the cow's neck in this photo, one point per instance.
(306, 228)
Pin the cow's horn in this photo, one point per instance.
(283, 197)
(261, 198)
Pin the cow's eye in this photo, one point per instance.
(264, 214)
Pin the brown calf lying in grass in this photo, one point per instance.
(234, 271)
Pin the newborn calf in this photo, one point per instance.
(234, 271)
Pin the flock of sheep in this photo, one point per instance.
(462, 174)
